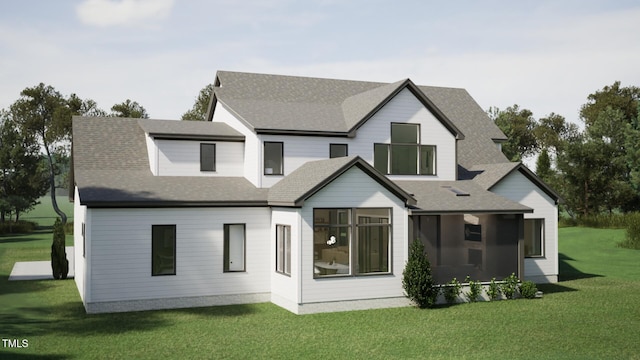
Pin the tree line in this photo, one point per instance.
(595, 169)
(35, 141)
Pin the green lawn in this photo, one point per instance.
(43, 213)
(592, 315)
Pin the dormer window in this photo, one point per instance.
(405, 155)
(273, 158)
(207, 157)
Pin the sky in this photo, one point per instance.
(545, 56)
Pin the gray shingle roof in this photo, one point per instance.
(111, 168)
(205, 130)
(278, 103)
(308, 179)
(434, 197)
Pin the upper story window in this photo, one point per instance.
(273, 158)
(405, 155)
(207, 157)
(338, 150)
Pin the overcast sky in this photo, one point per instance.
(546, 56)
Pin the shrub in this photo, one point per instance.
(59, 262)
(20, 227)
(632, 239)
(493, 291)
(68, 228)
(475, 289)
(528, 289)
(451, 291)
(510, 286)
(416, 278)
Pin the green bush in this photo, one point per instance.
(417, 281)
(20, 227)
(68, 228)
(493, 291)
(451, 291)
(632, 239)
(59, 262)
(475, 289)
(510, 286)
(528, 289)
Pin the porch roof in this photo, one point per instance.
(462, 197)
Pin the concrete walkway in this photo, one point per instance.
(39, 270)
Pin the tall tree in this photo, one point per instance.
(553, 131)
(129, 109)
(201, 106)
(41, 112)
(518, 125)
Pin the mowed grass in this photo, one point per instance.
(592, 315)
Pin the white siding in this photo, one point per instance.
(79, 218)
(152, 152)
(182, 158)
(403, 108)
(252, 146)
(353, 189)
(121, 253)
(285, 290)
(518, 188)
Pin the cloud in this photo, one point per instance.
(122, 12)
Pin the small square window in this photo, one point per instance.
(338, 150)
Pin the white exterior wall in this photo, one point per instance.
(403, 108)
(182, 158)
(79, 266)
(121, 253)
(518, 188)
(252, 146)
(285, 290)
(152, 153)
(353, 189)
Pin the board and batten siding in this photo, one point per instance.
(121, 253)
(518, 187)
(252, 161)
(353, 189)
(403, 108)
(285, 289)
(182, 158)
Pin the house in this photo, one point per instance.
(305, 192)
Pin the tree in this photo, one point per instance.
(543, 167)
(41, 112)
(129, 109)
(201, 106)
(23, 179)
(518, 125)
(553, 131)
(417, 281)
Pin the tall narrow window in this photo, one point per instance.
(338, 150)
(283, 249)
(273, 158)
(234, 247)
(373, 229)
(207, 157)
(381, 157)
(534, 237)
(163, 250)
(427, 160)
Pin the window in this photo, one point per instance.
(273, 164)
(337, 150)
(373, 244)
(234, 247)
(405, 155)
(207, 157)
(163, 250)
(534, 237)
(283, 249)
(342, 247)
